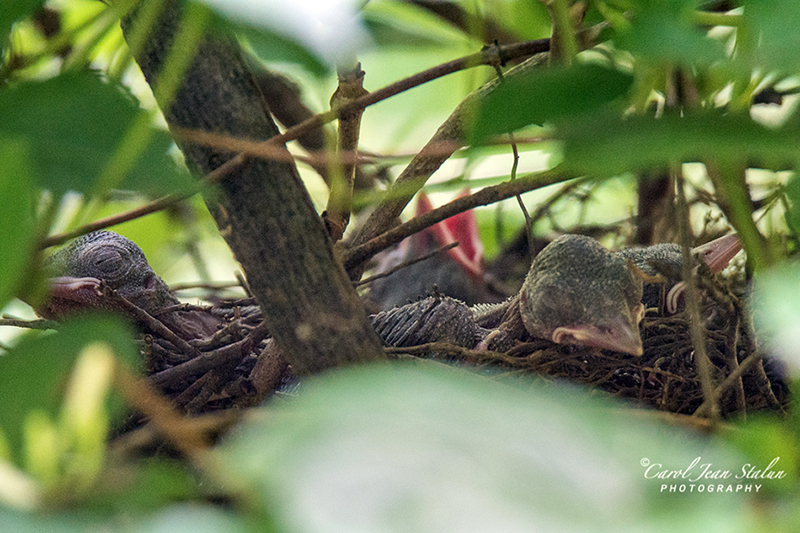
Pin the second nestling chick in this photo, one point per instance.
(106, 258)
(576, 292)
(580, 293)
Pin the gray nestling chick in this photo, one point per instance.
(580, 293)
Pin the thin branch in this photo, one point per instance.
(207, 361)
(696, 329)
(406, 264)
(485, 196)
(211, 285)
(340, 199)
(148, 321)
(40, 323)
(487, 56)
(732, 378)
(152, 207)
(513, 176)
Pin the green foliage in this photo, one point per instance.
(73, 123)
(777, 312)
(393, 447)
(150, 485)
(399, 448)
(771, 36)
(609, 145)
(664, 31)
(793, 197)
(543, 96)
(16, 216)
(184, 518)
(11, 12)
(270, 46)
(389, 26)
(33, 375)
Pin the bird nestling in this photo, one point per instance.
(580, 293)
(105, 258)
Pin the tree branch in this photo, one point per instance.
(358, 255)
(261, 207)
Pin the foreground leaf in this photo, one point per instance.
(539, 96)
(185, 518)
(610, 145)
(394, 448)
(33, 374)
(11, 12)
(73, 124)
(17, 234)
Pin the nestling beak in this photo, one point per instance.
(69, 294)
(719, 252)
(461, 228)
(620, 335)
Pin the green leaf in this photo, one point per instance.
(73, 123)
(410, 448)
(611, 145)
(546, 95)
(149, 485)
(793, 195)
(776, 312)
(24, 522)
(32, 375)
(192, 518)
(11, 12)
(663, 31)
(183, 518)
(17, 233)
(389, 31)
(771, 27)
(763, 438)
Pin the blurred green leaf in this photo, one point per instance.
(12, 11)
(73, 123)
(529, 20)
(183, 518)
(772, 39)
(33, 374)
(151, 484)
(663, 31)
(776, 312)
(546, 95)
(764, 438)
(793, 195)
(399, 448)
(17, 232)
(24, 522)
(610, 145)
(392, 31)
(192, 518)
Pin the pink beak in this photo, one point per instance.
(461, 228)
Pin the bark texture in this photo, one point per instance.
(262, 208)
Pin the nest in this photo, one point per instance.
(665, 377)
(239, 366)
(740, 378)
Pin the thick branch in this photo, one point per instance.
(262, 207)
